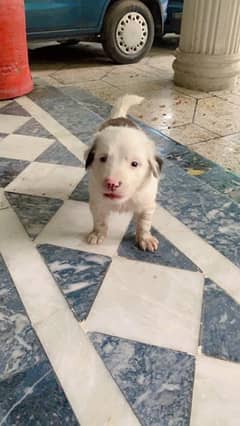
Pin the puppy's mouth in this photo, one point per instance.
(112, 196)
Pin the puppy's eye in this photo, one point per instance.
(134, 163)
(103, 159)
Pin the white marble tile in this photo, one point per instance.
(232, 96)
(72, 75)
(92, 392)
(166, 108)
(189, 134)
(149, 303)
(73, 221)
(3, 202)
(224, 151)
(218, 115)
(216, 393)
(48, 180)
(10, 123)
(23, 147)
(210, 261)
(71, 142)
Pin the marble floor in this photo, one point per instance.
(110, 335)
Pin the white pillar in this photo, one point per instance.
(208, 57)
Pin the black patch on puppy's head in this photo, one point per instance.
(90, 157)
(156, 166)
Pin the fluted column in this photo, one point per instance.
(208, 57)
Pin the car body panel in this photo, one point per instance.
(48, 19)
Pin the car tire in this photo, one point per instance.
(128, 31)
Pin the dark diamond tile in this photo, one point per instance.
(156, 382)
(167, 254)
(213, 216)
(33, 128)
(34, 212)
(79, 275)
(224, 181)
(80, 193)
(19, 348)
(14, 108)
(78, 119)
(189, 160)
(10, 169)
(86, 98)
(34, 398)
(58, 154)
(220, 333)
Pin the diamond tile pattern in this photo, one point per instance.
(157, 382)
(147, 315)
(33, 212)
(79, 275)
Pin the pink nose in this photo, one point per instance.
(112, 184)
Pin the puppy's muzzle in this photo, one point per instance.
(112, 184)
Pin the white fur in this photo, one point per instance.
(123, 104)
(122, 146)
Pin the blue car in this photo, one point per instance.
(126, 28)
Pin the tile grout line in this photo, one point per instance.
(52, 317)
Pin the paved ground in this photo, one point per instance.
(110, 335)
(207, 122)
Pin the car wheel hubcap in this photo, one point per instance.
(132, 33)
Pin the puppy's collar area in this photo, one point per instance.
(118, 122)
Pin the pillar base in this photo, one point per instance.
(204, 72)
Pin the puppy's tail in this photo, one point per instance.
(123, 104)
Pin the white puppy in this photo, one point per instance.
(123, 175)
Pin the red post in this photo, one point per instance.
(15, 76)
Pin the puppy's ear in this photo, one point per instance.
(89, 156)
(156, 166)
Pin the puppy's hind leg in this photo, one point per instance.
(100, 225)
(145, 240)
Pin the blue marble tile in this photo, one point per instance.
(167, 254)
(33, 128)
(220, 332)
(13, 108)
(213, 216)
(79, 275)
(187, 159)
(75, 117)
(34, 212)
(80, 193)
(223, 181)
(58, 154)
(10, 169)
(34, 398)
(156, 382)
(19, 348)
(86, 98)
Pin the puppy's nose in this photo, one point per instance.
(112, 184)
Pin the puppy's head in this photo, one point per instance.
(120, 161)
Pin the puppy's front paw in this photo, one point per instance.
(95, 237)
(148, 243)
